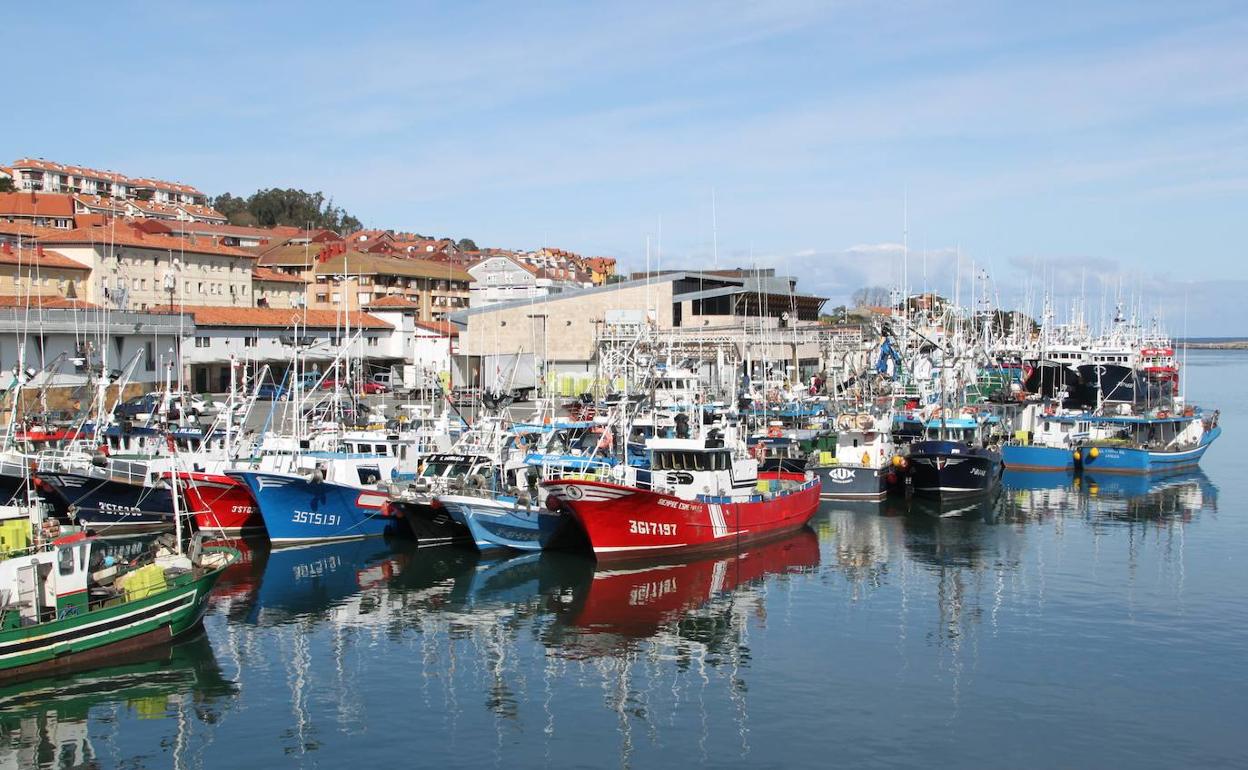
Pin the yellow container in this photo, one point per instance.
(1021, 437)
(14, 535)
(144, 582)
(825, 458)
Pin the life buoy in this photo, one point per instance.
(865, 421)
(774, 431)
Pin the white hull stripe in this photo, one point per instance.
(718, 527)
(174, 605)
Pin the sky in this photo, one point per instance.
(1094, 151)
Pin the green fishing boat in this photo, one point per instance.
(64, 606)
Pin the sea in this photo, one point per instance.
(1074, 622)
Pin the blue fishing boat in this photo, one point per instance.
(517, 516)
(1149, 443)
(311, 507)
(1045, 439)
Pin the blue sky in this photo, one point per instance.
(1094, 147)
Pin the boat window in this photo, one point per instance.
(65, 560)
(381, 448)
(82, 556)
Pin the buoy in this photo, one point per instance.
(1078, 455)
(897, 461)
(1093, 452)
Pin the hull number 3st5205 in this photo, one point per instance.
(651, 528)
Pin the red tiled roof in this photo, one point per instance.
(46, 301)
(37, 257)
(394, 302)
(267, 274)
(25, 204)
(277, 318)
(445, 328)
(122, 234)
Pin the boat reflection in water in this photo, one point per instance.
(1110, 497)
(617, 605)
(45, 723)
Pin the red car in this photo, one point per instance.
(367, 388)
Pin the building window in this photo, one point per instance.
(322, 298)
(335, 341)
(202, 342)
(335, 298)
(365, 297)
(250, 342)
(372, 342)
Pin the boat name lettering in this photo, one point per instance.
(677, 504)
(242, 509)
(978, 472)
(651, 528)
(323, 519)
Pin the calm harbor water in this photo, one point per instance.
(1089, 623)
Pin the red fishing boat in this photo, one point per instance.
(696, 495)
(220, 503)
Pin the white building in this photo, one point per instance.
(503, 279)
(256, 337)
(423, 348)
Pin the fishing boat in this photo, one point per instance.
(220, 503)
(861, 466)
(955, 459)
(1148, 443)
(66, 607)
(696, 494)
(337, 498)
(1045, 438)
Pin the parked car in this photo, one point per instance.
(139, 407)
(270, 392)
(367, 388)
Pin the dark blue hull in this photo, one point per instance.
(850, 482)
(109, 506)
(950, 470)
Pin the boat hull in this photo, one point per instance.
(853, 482)
(82, 641)
(502, 523)
(297, 509)
(221, 503)
(627, 522)
(1037, 458)
(948, 470)
(1138, 460)
(431, 524)
(109, 506)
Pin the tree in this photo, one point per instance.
(467, 244)
(290, 207)
(870, 296)
(6, 184)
